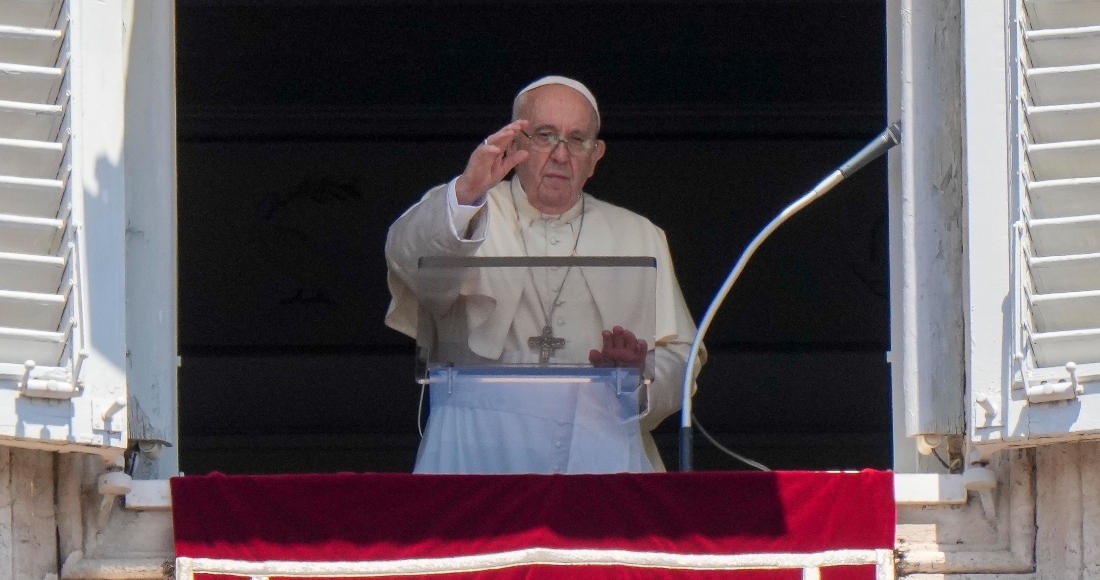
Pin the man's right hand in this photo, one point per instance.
(489, 163)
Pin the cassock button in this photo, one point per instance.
(554, 241)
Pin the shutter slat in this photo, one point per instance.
(33, 159)
(29, 120)
(32, 46)
(1065, 159)
(1060, 193)
(19, 345)
(1061, 14)
(31, 197)
(1064, 85)
(1054, 349)
(1078, 122)
(1063, 46)
(1065, 197)
(1066, 235)
(29, 84)
(30, 310)
(1066, 311)
(32, 13)
(1074, 273)
(27, 273)
(25, 235)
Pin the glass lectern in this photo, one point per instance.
(506, 345)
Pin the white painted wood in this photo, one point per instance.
(906, 458)
(33, 13)
(1065, 159)
(1065, 197)
(29, 121)
(1053, 144)
(97, 68)
(29, 235)
(1068, 236)
(1067, 273)
(31, 310)
(32, 159)
(1056, 348)
(33, 46)
(151, 224)
(1061, 14)
(1067, 311)
(931, 349)
(18, 345)
(987, 115)
(1063, 46)
(1063, 85)
(149, 494)
(30, 273)
(31, 197)
(29, 84)
(1077, 122)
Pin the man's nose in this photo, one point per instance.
(560, 152)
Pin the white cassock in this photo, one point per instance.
(553, 428)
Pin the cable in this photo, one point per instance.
(879, 145)
(942, 462)
(726, 450)
(420, 412)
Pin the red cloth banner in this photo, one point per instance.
(398, 517)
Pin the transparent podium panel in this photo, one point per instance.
(521, 381)
(530, 314)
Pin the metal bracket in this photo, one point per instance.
(1063, 389)
(104, 412)
(987, 412)
(48, 386)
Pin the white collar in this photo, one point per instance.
(529, 213)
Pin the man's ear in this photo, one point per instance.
(601, 148)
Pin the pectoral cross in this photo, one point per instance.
(547, 343)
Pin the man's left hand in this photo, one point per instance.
(620, 349)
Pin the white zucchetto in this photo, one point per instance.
(566, 81)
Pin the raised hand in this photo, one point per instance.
(620, 348)
(489, 163)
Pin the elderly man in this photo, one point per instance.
(542, 210)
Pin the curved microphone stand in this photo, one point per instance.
(887, 139)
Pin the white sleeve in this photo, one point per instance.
(463, 216)
(666, 393)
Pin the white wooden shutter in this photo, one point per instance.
(1052, 385)
(62, 356)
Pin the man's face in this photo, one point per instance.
(553, 179)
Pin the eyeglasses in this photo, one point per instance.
(547, 141)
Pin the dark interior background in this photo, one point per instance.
(305, 128)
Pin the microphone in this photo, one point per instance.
(879, 145)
